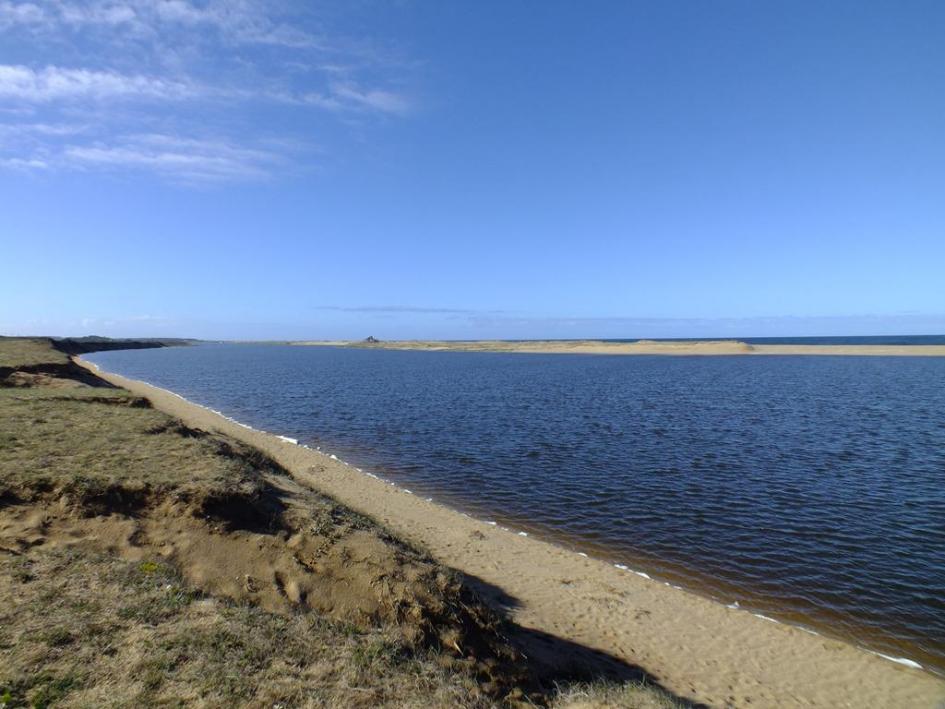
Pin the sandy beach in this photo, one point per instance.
(695, 647)
(642, 347)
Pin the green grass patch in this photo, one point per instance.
(16, 352)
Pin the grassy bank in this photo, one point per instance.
(144, 562)
(27, 353)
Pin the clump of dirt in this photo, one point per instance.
(30, 379)
(261, 547)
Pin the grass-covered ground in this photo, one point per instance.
(143, 563)
(86, 629)
(16, 353)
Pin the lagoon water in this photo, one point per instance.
(807, 488)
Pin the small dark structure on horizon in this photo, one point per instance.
(371, 339)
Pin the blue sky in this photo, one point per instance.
(472, 169)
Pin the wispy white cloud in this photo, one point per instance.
(30, 164)
(404, 309)
(239, 21)
(110, 14)
(168, 68)
(25, 13)
(371, 99)
(354, 99)
(51, 129)
(183, 158)
(53, 82)
(56, 83)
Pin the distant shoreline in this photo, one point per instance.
(640, 347)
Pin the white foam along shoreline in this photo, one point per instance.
(735, 606)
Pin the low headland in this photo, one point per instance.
(639, 347)
(153, 551)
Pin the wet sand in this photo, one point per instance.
(642, 347)
(695, 647)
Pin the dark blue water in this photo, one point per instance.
(808, 488)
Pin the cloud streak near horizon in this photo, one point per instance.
(405, 309)
(81, 82)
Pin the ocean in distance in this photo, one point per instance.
(807, 488)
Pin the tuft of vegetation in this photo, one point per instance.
(611, 695)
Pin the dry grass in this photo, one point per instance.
(56, 438)
(609, 695)
(85, 629)
(16, 353)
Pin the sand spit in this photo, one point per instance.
(696, 648)
(553, 346)
(854, 350)
(641, 347)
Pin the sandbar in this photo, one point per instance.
(640, 347)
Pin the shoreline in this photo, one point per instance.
(708, 348)
(676, 576)
(694, 645)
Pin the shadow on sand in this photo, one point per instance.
(558, 660)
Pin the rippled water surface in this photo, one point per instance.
(808, 488)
